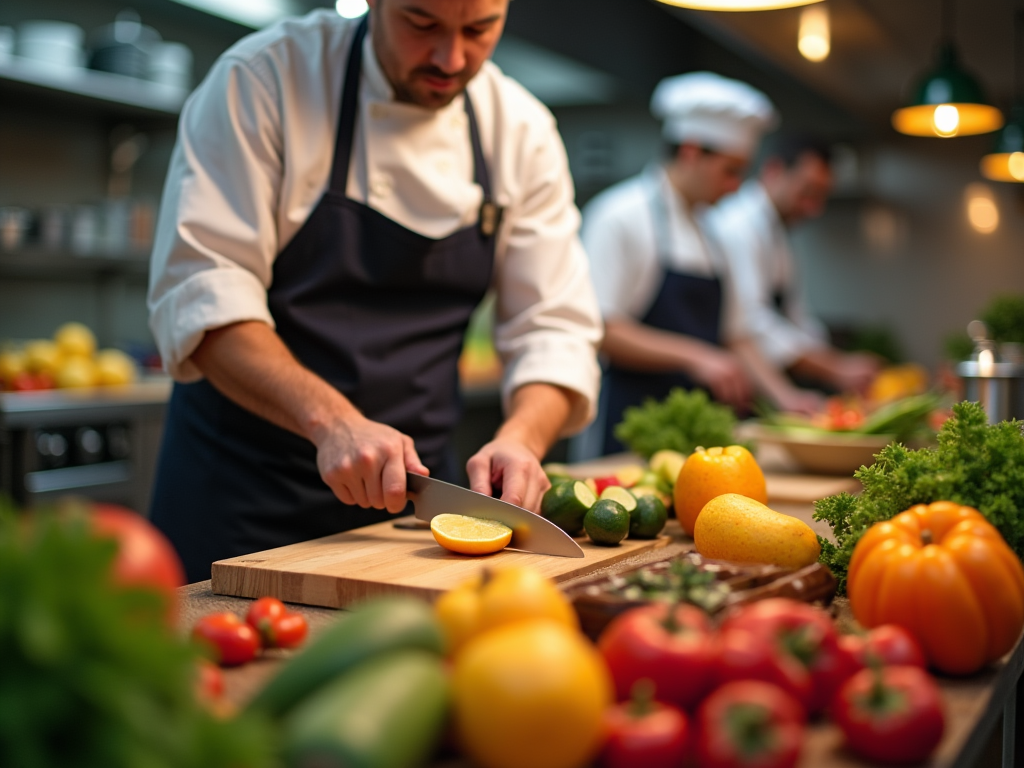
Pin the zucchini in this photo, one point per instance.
(375, 627)
(387, 713)
(565, 505)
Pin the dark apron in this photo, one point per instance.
(686, 304)
(375, 309)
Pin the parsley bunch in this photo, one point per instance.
(90, 675)
(974, 464)
(683, 421)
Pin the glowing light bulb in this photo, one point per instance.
(351, 9)
(986, 362)
(814, 40)
(1015, 164)
(946, 119)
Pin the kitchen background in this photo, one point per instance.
(82, 158)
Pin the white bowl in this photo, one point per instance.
(827, 453)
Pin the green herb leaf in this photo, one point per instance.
(683, 421)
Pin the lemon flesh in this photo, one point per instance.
(470, 535)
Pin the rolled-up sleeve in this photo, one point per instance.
(547, 323)
(216, 235)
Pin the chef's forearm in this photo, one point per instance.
(248, 363)
(537, 416)
(638, 347)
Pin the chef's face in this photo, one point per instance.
(714, 174)
(800, 191)
(430, 49)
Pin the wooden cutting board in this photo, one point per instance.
(380, 559)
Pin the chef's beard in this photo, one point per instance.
(413, 90)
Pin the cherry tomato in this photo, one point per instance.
(743, 655)
(749, 723)
(278, 627)
(890, 714)
(229, 639)
(889, 644)
(644, 734)
(673, 648)
(145, 558)
(600, 483)
(209, 681)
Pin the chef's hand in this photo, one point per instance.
(364, 462)
(803, 401)
(854, 372)
(513, 468)
(723, 374)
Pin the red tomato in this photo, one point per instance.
(676, 654)
(805, 633)
(209, 681)
(890, 714)
(890, 644)
(230, 639)
(644, 734)
(749, 723)
(144, 557)
(31, 382)
(600, 483)
(262, 613)
(278, 627)
(743, 655)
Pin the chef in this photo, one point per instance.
(341, 196)
(753, 228)
(659, 277)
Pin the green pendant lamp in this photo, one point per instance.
(1006, 161)
(948, 101)
(737, 5)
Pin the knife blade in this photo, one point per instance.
(530, 532)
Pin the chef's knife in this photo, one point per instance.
(530, 532)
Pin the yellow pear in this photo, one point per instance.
(738, 528)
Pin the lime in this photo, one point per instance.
(607, 522)
(621, 495)
(566, 503)
(647, 520)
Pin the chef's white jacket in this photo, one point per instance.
(252, 159)
(756, 245)
(636, 230)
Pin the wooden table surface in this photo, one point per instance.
(974, 705)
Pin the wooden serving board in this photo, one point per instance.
(380, 559)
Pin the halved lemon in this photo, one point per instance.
(470, 535)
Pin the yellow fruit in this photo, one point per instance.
(530, 694)
(43, 356)
(650, 490)
(76, 372)
(735, 527)
(11, 364)
(666, 464)
(898, 381)
(114, 367)
(498, 598)
(75, 339)
(712, 472)
(470, 535)
(630, 476)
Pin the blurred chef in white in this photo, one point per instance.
(753, 228)
(660, 279)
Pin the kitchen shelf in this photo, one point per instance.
(50, 265)
(99, 88)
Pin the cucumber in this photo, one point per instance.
(565, 505)
(621, 495)
(387, 713)
(375, 627)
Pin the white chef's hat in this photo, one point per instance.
(712, 111)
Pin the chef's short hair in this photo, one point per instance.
(788, 148)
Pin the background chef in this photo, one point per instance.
(659, 278)
(338, 202)
(753, 228)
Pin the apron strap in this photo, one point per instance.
(349, 111)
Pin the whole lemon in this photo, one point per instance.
(43, 356)
(712, 472)
(530, 694)
(734, 527)
(76, 372)
(497, 598)
(114, 367)
(12, 363)
(75, 339)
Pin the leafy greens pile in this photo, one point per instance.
(974, 464)
(91, 675)
(683, 421)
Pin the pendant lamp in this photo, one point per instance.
(948, 101)
(737, 5)
(1006, 161)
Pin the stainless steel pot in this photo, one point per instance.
(998, 387)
